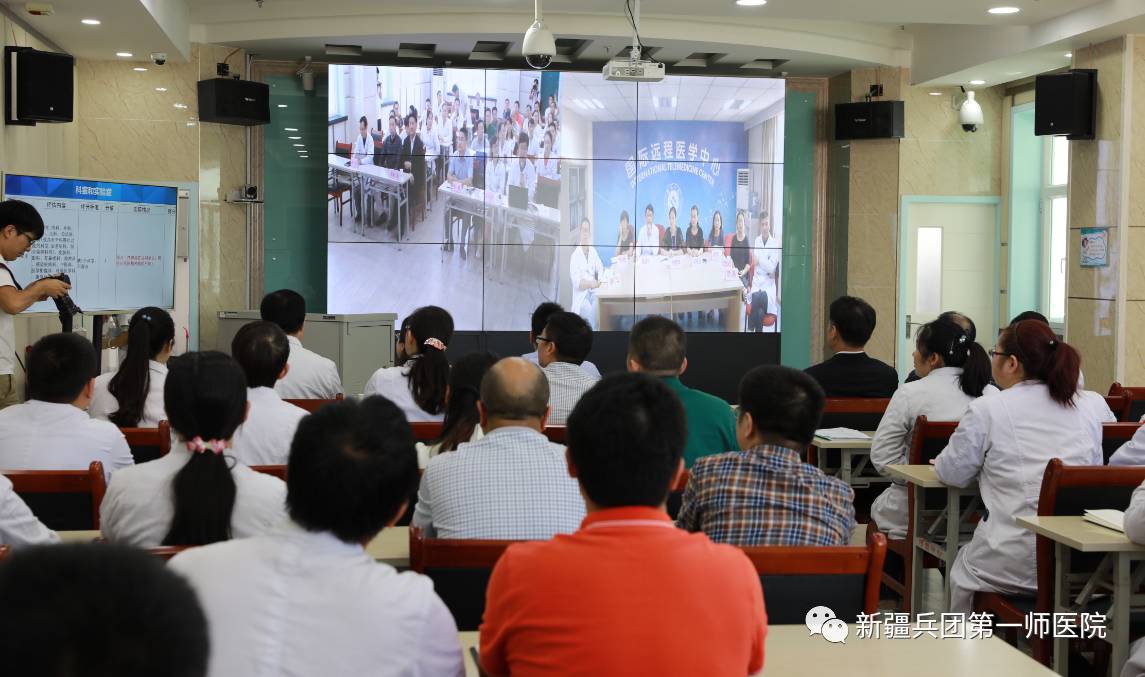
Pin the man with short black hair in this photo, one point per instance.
(510, 484)
(311, 376)
(850, 372)
(608, 598)
(561, 348)
(93, 610)
(52, 431)
(766, 494)
(307, 599)
(537, 325)
(261, 349)
(658, 346)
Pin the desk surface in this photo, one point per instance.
(1078, 534)
(373, 171)
(664, 276)
(792, 652)
(922, 475)
(824, 443)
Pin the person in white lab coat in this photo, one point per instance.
(548, 164)
(1132, 452)
(198, 493)
(521, 171)
(307, 599)
(955, 371)
(418, 386)
(1004, 441)
(648, 237)
(52, 430)
(261, 349)
(1135, 530)
(585, 271)
(18, 526)
(311, 376)
(132, 396)
(767, 251)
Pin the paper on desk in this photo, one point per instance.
(841, 434)
(1110, 519)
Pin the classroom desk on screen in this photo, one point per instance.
(940, 532)
(1114, 574)
(854, 460)
(792, 652)
(389, 181)
(670, 284)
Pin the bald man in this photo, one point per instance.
(512, 484)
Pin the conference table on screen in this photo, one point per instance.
(670, 284)
(370, 177)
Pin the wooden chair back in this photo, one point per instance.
(1113, 435)
(148, 444)
(278, 471)
(1119, 405)
(1134, 404)
(556, 433)
(166, 552)
(313, 405)
(5, 550)
(460, 570)
(64, 500)
(426, 431)
(844, 578)
(342, 149)
(859, 413)
(676, 495)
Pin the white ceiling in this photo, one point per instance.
(127, 26)
(675, 98)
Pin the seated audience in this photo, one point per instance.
(311, 376)
(52, 431)
(307, 599)
(658, 346)
(510, 484)
(1035, 315)
(132, 397)
(1004, 441)
(959, 319)
(462, 418)
(1135, 531)
(1132, 452)
(539, 319)
(850, 372)
(261, 349)
(18, 526)
(196, 494)
(97, 610)
(766, 494)
(418, 386)
(561, 348)
(627, 594)
(954, 371)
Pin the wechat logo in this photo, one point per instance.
(821, 620)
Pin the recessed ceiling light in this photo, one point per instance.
(977, 82)
(90, 22)
(161, 89)
(1069, 55)
(180, 105)
(936, 93)
(290, 129)
(299, 145)
(139, 69)
(294, 138)
(1003, 10)
(282, 105)
(125, 55)
(751, 3)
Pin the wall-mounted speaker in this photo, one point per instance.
(1065, 104)
(38, 87)
(234, 102)
(869, 120)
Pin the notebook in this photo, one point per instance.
(1110, 519)
(841, 434)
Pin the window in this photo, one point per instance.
(1055, 228)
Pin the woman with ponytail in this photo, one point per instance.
(418, 386)
(953, 371)
(462, 420)
(1004, 442)
(132, 397)
(198, 493)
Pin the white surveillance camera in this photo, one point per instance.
(159, 58)
(970, 114)
(539, 47)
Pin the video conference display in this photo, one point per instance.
(488, 192)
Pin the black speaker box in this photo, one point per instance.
(39, 86)
(1066, 104)
(234, 102)
(869, 120)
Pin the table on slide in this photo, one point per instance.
(936, 532)
(391, 546)
(367, 177)
(854, 460)
(790, 651)
(670, 284)
(1115, 574)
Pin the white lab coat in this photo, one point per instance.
(525, 178)
(18, 526)
(549, 167)
(138, 506)
(310, 377)
(1132, 452)
(496, 177)
(392, 383)
(103, 403)
(296, 602)
(363, 150)
(264, 437)
(648, 240)
(585, 267)
(936, 396)
(1135, 530)
(1005, 441)
(767, 256)
(40, 435)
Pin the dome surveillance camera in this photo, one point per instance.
(539, 46)
(159, 58)
(970, 114)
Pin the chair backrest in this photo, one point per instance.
(278, 471)
(1113, 435)
(313, 405)
(1134, 404)
(460, 570)
(556, 433)
(5, 550)
(859, 413)
(1119, 405)
(166, 552)
(426, 431)
(928, 439)
(342, 149)
(148, 444)
(676, 495)
(64, 500)
(844, 578)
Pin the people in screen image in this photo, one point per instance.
(626, 240)
(694, 236)
(549, 166)
(648, 239)
(522, 173)
(363, 149)
(496, 175)
(461, 162)
(764, 282)
(716, 234)
(585, 272)
(741, 250)
(673, 240)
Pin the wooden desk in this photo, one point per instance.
(862, 474)
(469, 640)
(83, 536)
(938, 533)
(792, 652)
(1114, 574)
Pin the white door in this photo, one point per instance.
(949, 257)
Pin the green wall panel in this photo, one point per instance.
(798, 228)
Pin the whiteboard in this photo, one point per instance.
(116, 241)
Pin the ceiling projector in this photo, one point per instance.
(628, 70)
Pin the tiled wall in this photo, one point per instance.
(1134, 345)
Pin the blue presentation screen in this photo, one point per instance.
(116, 241)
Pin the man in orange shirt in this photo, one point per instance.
(628, 593)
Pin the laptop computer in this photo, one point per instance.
(548, 193)
(518, 197)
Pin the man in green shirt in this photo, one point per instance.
(658, 346)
